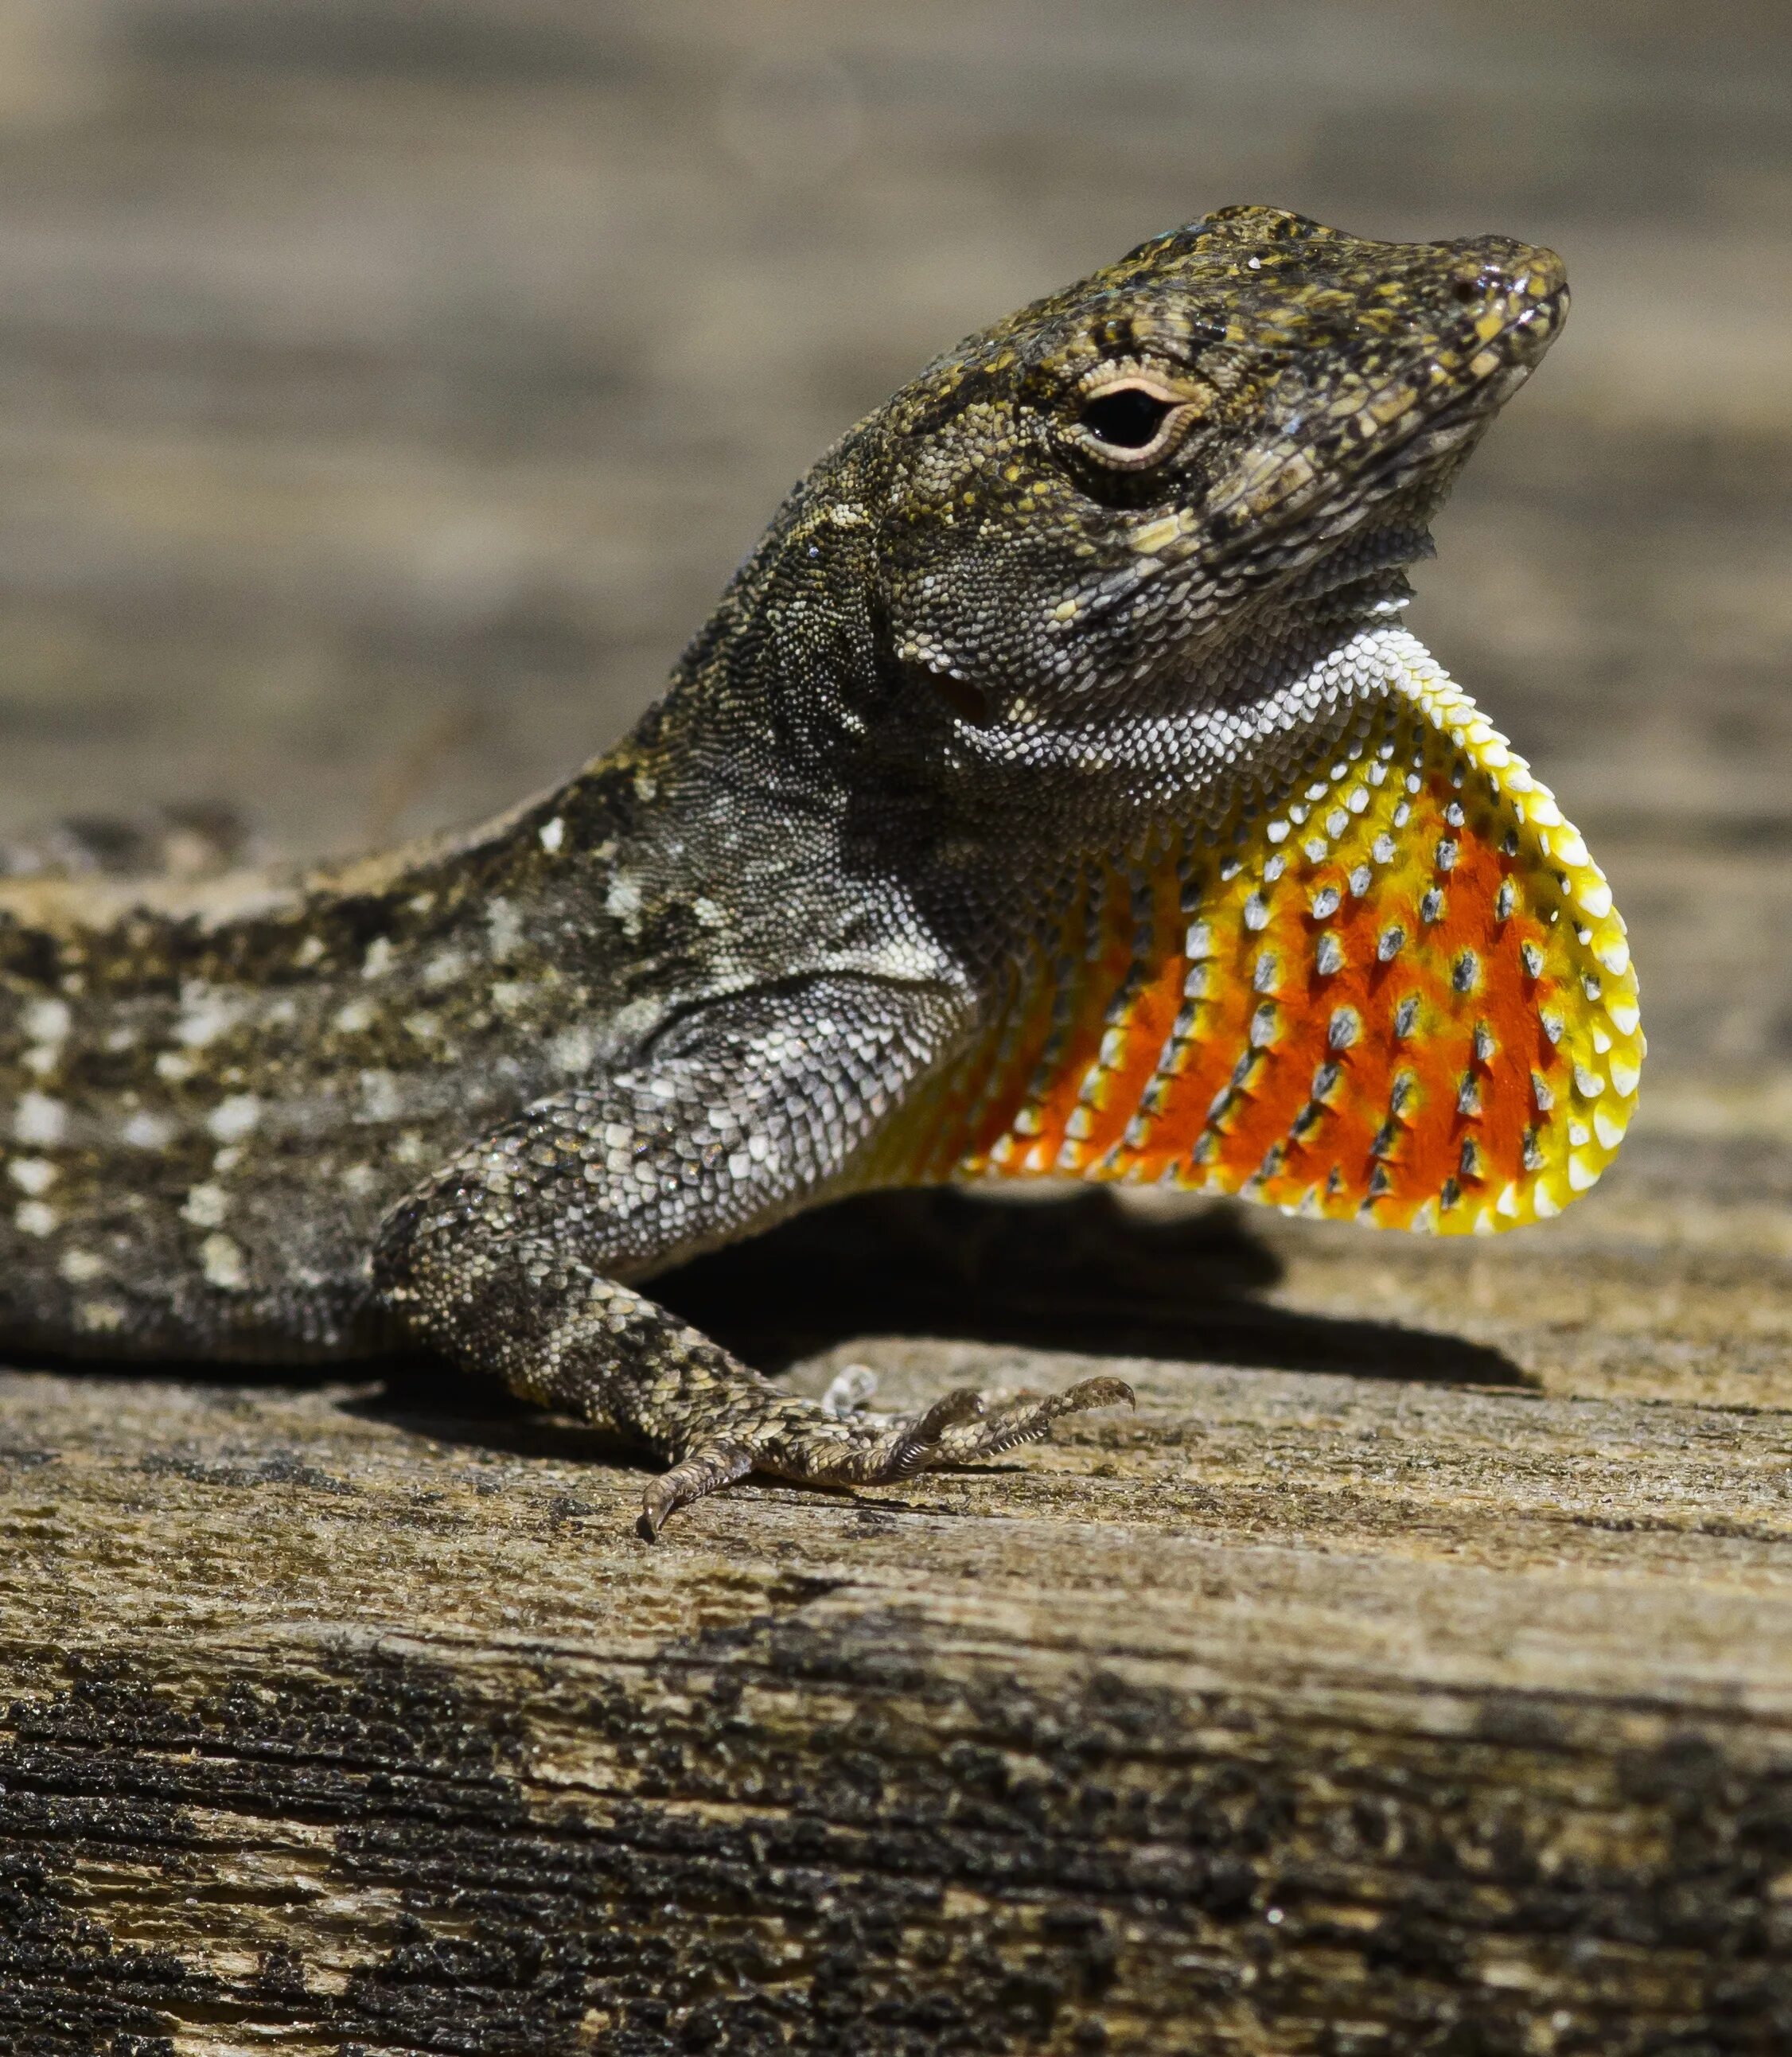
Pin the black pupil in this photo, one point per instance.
(1129, 417)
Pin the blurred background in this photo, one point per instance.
(387, 387)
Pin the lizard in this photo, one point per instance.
(1055, 791)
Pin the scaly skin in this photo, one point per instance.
(1042, 796)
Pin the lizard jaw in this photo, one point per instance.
(1363, 577)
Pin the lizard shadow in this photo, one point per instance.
(1082, 1273)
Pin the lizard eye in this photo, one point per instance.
(1129, 418)
(1130, 423)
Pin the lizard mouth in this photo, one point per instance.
(1410, 434)
(1348, 541)
(1364, 577)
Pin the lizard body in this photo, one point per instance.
(1054, 790)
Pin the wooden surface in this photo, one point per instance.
(384, 391)
(1442, 1701)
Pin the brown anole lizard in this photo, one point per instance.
(1054, 790)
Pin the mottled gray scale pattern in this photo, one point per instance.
(1079, 583)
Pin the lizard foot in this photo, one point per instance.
(705, 1471)
(803, 1442)
(824, 1448)
(959, 1428)
(1026, 1417)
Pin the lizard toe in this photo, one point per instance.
(1026, 1417)
(704, 1471)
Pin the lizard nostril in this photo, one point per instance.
(1467, 287)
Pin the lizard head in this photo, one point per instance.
(1335, 948)
(1238, 430)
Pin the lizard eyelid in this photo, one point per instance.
(1131, 423)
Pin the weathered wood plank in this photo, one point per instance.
(1304, 1713)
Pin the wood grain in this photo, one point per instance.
(1429, 1703)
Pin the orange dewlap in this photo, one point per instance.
(1398, 992)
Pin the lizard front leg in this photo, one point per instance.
(514, 1259)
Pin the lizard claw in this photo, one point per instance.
(705, 1471)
